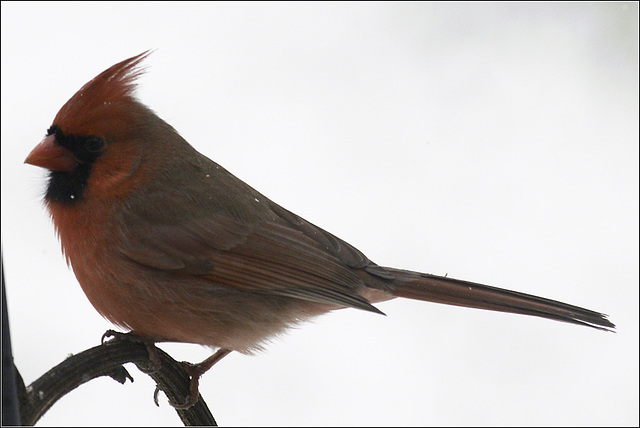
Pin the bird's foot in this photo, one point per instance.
(195, 371)
(154, 358)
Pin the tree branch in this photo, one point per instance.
(107, 360)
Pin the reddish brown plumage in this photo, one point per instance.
(106, 103)
(169, 244)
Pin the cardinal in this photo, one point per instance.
(169, 245)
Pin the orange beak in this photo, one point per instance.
(51, 156)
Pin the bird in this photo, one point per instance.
(169, 245)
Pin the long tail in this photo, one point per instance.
(439, 289)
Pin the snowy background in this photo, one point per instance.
(496, 143)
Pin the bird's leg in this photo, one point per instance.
(195, 371)
(154, 357)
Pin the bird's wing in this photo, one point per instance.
(267, 256)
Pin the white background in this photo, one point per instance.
(496, 143)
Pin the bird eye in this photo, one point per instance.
(94, 144)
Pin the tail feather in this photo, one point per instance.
(439, 289)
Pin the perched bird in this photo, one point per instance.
(170, 245)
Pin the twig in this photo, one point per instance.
(107, 360)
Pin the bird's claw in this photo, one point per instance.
(154, 358)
